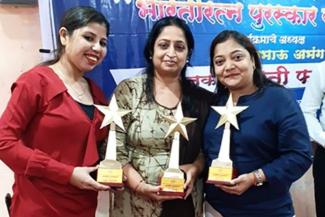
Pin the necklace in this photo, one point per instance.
(78, 89)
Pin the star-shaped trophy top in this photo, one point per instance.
(228, 113)
(112, 113)
(178, 122)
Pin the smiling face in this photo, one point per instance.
(234, 66)
(170, 52)
(85, 48)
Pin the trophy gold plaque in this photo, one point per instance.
(221, 169)
(172, 181)
(110, 170)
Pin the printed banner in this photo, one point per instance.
(289, 35)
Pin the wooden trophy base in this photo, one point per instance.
(172, 183)
(110, 173)
(221, 172)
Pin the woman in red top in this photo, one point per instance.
(49, 132)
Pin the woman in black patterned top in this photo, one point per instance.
(144, 151)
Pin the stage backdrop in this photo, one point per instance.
(289, 35)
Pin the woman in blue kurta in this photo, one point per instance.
(270, 150)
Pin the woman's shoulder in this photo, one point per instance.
(40, 81)
(276, 89)
(201, 93)
(37, 72)
(38, 76)
(279, 94)
(133, 83)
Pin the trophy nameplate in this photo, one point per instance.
(221, 170)
(110, 171)
(172, 182)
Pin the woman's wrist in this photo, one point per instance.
(138, 186)
(199, 164)
(195, 170)
(259, 177)
(134, 180)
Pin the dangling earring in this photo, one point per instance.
(187, 61)
(150, 57)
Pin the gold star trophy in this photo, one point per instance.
(172, 181)
(221, 169)
(110, 170)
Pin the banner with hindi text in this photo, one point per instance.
(289, 35)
